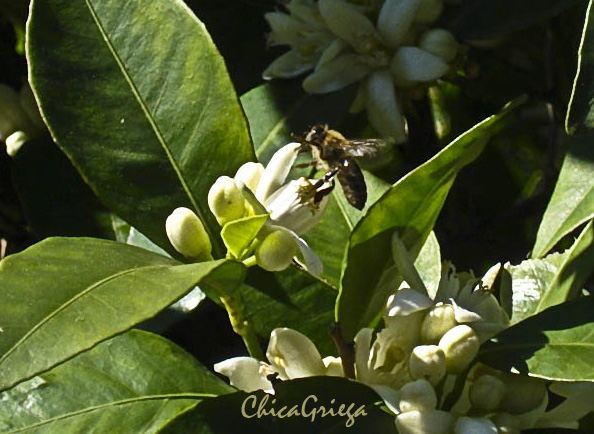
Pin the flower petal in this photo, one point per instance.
(250, 174)
(337, 74)
(277, 170)
(390, 396)
(395, 20)
(383, 109)
(243, 373)
(347, 22)
(294, 354)
(285, 29)
(414, 64)
(331, 52)
(289, 65)
(431, 421)
(407, 301)
(313, 264)
(475, 425)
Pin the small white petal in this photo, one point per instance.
(474, 425)
(337, 74)
(250, 174)
(285, 29)
(243, 373)
(331, 52)
(395, 19)
(308, 11)
(414, 64)
(362, 349)
(407, 301)
(439, 42)
(313, 263)
(383, 109)
(390, 396)
(333, 366)
(289, 65)
(425, 422)
(347, 22)
(277, 170)
(14, 142)
(294, 353)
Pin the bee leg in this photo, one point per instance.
(322, 191)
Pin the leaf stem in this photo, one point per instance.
(242, 325)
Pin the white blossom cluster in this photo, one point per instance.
(418, 360)
(293, 207)
(387, 48)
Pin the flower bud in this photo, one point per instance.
(383, 108)
(474, 425)
(427, 362)
(293, 354)
(486, 393)
(417, 395)
(276, 251)
(395, 19)
(250, 174)
(14, 142)
(422, 422)
(439, 42)
(415, 64)
(187, 234)
(337, 73)
(439, 320)
(522, 394)
(460, 345)
(347, 22)
(429, 11)
(225, 200)
(507, 423)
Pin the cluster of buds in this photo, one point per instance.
(19, 117)
(422, 362)
(292, 208)
(393, 50)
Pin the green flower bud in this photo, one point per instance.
(507, 423)
(486, 393)
(460, 345)
(276, 251)
(417, 395)
(522, 394)
(187, 234)
(427, 362)
(438, 321)
(225, 200)
(439, 42)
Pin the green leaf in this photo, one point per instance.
(277, 110)
(539, 284)
(411, 206)
(291, 298)
(238, 234)
(572, 202)
(557, 344)
(150, 118)
(76, 293)
(224, 413)
(132, 373)
(330, 237)
(486, 19)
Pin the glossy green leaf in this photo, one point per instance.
(137, 96)
(556, 344)
(76, 293)
(122, 381)
(238, 234)
(291, 298)
(224, 413)
(572, 202)
(486, 19)
(542, 283)
(411, 207)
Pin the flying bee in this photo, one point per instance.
(336, 155)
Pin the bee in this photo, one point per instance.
(336, 155)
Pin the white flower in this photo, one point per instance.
(290, 355)
(294, 206)
(339, 41)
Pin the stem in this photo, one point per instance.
(346, 350)
(241, 325)
(250, 262)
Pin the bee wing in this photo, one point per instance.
(353, 183)
(364, 147)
